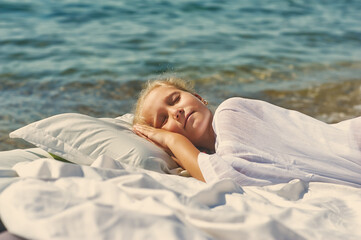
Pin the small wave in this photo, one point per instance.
(329, 102)
(38, 42)
(200, 6)
(16, 7)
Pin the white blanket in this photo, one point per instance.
(56, 200)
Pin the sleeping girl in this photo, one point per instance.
(250, 141)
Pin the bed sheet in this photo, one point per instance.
(109, 200)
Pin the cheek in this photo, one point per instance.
(173, 126)
(202, 123)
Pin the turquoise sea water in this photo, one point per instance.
(92, 57)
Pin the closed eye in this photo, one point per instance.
(175, 99)
(164, 121)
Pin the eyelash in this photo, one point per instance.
(176, 99)
(164, 121)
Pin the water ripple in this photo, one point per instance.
(93, 56)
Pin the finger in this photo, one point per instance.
(140, 134)
(148, 133)
(143, 135)
(141, 128)
(137, 130)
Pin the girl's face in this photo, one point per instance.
(178, 111)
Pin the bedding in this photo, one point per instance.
(105, 195)
(57, 200)
(9, 158)
(82, 139)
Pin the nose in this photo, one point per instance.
(177, 113)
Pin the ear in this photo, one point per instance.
(205, 102)
(197, 96)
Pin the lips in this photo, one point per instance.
(186, 119)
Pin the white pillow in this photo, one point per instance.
(82, 139)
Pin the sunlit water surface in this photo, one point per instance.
(92, 57)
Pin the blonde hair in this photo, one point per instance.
(178, 83)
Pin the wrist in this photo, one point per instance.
(174, 139)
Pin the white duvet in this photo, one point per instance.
(108, 200)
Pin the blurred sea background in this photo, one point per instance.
(92, 57)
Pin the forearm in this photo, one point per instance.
(186, 154)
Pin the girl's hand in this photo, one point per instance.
(176, 145)
(157, 136)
